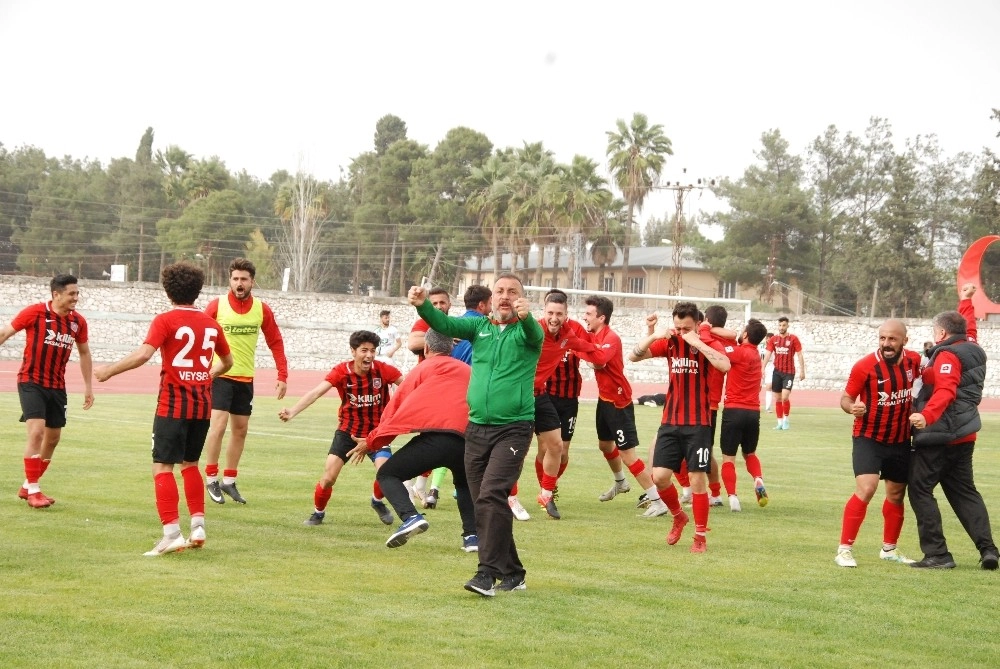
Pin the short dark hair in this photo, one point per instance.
(603, 305)
(756, 331)
(60, 281)
(438, 343)
(951, 322)
(556, 296)
(438, 290)
(182, 282)
(686, 310)
(509, 275)
(243, 265)
(384, 312)
(783, 319)
(363, 337)
(716, 315)
(474, 295)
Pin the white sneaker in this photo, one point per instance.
(895, 556)
(685, 495)
(197, 538)
(656, 508)
(734, 504)
(167, 545)
(784, 423)
(714, 501)
(619, 487)
(845, 558)
(519, 511)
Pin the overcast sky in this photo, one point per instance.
(284, 85)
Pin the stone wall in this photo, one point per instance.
(316, 328)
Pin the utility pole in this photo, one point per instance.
(681, 191)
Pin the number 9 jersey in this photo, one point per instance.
(187, 338)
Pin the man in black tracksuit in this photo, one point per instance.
(946, 424)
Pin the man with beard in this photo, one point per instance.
(242, 318)
(505, 350)
(878, 397)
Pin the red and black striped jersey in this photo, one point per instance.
(49, 343)
(885, 390)
(687, 382)
(554, 350)
(609, 367)
(566, 380)
(784, 347)
(362, 396)
(187, 338)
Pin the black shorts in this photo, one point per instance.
(236, 397)
(344, 443)
(177, 440)
(617, 425)
(546, 417)
(781, 381)
(677, 443)
(567, 408)
(41, 402)
(740, 428)
(890, 461)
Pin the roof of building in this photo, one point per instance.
(656, 257)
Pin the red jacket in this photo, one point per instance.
(430, 399)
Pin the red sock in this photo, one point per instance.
(167, 497)
(893, 516)
(779, 409)
(670, 498)
(194, 490)
(212, 470)
(637, 467)
(682, 475)
(32, 469)
(854, 515)
(715, 489)
(699, 505)
(376, 490)
(513, 491)
(45, 466)
(562, 468)
(321, 496)
(540, 473)
(229, 473)
(729, 477)
(548, 482)
(788, 407)
(753, 466)
(427, 474)
(612, 455)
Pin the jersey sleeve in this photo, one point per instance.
(858, 377)
(24, 317)
(272, 335)
(947, 374)
(212, 308)
(157, 333)
(335, 376)
(82, 334)
(796, 344)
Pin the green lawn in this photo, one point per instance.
(604, 590)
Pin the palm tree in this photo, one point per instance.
(636, 156)
(489, 201)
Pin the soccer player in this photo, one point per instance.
(741, 412)
(431, 401)
(51, 329)
(242, 318)
(685, 432)
(877, 395)
(505, 350)
(363, 385)
(615, 415)
(389, 339)
(562, 336)
(187, 340)
(783, 348)
(947, 422)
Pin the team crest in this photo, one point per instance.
(377, 384)
(909, 375)
(74, 327)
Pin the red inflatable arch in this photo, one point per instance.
(969, 271)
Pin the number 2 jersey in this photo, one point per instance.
(187, 338)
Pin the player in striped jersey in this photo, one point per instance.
(685, 432)
(363, 384)
(878, 396)
(187, 339)
(783, 348)
(51, 329)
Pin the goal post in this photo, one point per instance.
(651, 301)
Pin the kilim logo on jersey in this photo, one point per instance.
(683, 366)
(53, 338)
(893, 398)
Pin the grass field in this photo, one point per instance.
(604, 590)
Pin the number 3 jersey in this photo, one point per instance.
(187, 338)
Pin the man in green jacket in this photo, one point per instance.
(506, 344)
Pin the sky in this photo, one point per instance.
(300, 85)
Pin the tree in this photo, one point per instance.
(302, 207)
(636, 157)
(490, 200)
(21, 172)
(388, 130)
